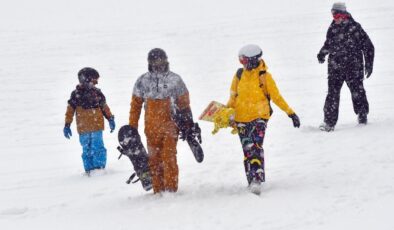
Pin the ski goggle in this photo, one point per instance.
(243, 60)
(158, 62)
(338, 16)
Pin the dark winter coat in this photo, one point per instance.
(163, 94)
(346, 44)
(90, 107)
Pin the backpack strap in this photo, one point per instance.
(263, 83)
(263, 86)
(239, 73)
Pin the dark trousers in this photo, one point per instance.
(359, 98)
(252, 135)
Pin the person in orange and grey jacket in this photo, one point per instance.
(166, 100)
(350, 55)
(252, 89)
(90, 107)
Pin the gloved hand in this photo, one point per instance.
(321, 57)
(192, 132)
(67, 131)
(296, 120)
(368, 71)
(111, 121)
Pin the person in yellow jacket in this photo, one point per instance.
(252, 89)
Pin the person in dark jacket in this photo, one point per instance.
(166, 102)
(350, 58)
(90, 107)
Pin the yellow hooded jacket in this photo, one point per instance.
(248, 99)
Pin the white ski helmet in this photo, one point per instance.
(250, 51)
(249, 56)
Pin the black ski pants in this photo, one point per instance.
(359, 97)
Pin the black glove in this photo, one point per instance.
(321, 57)
(191, 133)
(296, 120)
(111, 121)
(368, 71)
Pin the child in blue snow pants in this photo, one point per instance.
(89, 106)
(94, 154)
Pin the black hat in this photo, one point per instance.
(339, 7)
(157, 61)
(87, 74)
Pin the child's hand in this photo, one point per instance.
(67, 131)
(111, 121)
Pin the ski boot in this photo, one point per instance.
(362, 119)
(255, 184)
(326, 127)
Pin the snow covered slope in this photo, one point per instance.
(315, 180)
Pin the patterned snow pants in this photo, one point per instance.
(94, 154)
(252, 135)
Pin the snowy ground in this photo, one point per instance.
(315, 180)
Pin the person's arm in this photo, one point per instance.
(137, 99)
(233, 92)
(183, 116)
(106, 111)
(277, 98)
(325, 49)
(104, 106)
(71, 107)
(275, 95)
(368, 51)
(135, 110)
(69, 116)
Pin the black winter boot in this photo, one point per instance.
(362, 118)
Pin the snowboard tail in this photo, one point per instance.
(196, 149)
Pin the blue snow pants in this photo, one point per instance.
(94, 154)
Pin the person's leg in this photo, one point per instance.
(99, 153)
(253, 151)
(168, 153)
(331, 106)
(85, 140)
(258, 140)
(245, 141)
(155, 161)
(359, 96)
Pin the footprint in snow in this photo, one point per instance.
(14, 211)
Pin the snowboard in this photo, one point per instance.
(192, 135)
(131, 146)
(212, 109)
(195, 146)
(220, 115)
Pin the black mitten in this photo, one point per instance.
(296, 120)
